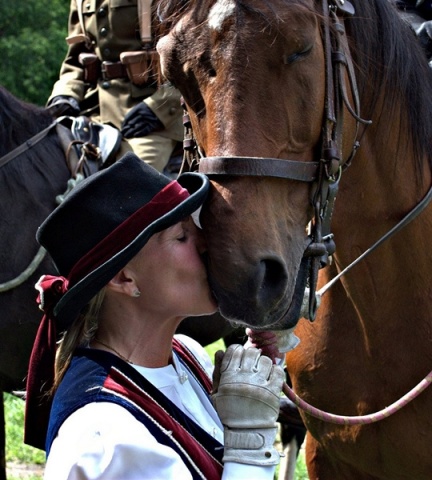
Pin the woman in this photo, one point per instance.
(130, 400)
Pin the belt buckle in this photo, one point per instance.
(105, 70)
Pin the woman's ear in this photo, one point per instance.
(123, 282)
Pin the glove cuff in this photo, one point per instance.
(251, 447)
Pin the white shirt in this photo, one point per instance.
(103, 441)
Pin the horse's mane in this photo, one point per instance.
(392, 66)
(19, 121)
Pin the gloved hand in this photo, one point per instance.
(140, 121)
(246, 396)
(64, 105)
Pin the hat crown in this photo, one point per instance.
(96, 207)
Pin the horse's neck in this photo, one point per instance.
(384, 180)
(373, 198)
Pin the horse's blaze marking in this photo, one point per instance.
(220, 11)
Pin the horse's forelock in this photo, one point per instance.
(170, 11)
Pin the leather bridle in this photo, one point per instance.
(323, 174)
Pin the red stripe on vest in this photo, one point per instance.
(118, 383)
(188, 357)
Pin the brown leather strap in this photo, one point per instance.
(145, 21)
(27, 145)
(111, 70)
(261, 167)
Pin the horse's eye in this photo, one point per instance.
(289, 59)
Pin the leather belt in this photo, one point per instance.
(111, 70)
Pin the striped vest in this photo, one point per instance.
(99, 376)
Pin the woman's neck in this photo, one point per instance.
(137, 340)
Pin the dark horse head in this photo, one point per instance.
(29, 184)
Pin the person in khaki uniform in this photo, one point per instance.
(106, 50)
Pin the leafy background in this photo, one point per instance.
(32, 46)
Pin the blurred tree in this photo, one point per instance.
(32, 46)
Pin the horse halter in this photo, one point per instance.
(324, 175)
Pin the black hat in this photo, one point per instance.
(106, 220)
(100, 226)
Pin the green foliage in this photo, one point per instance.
(301, 471)
(16, 451)
(32, 46)
(214, 347)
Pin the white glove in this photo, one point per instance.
(247, 388)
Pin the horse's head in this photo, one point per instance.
(253, 79)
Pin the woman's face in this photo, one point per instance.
(171, 275)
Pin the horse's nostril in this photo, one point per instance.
(273, 278)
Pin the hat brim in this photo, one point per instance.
(70, 305)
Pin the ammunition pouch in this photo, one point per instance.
(92, 67)
(141, 66)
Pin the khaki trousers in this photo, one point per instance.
(152, 149)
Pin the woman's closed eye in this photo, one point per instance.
(182, 232)
(182, 238)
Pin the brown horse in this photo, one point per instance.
(295, 83)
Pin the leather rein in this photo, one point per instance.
(27, 145)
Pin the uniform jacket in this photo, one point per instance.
(112, 27)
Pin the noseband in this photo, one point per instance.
(324, 174)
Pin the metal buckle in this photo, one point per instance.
(346, 7)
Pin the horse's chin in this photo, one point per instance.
(286, 314)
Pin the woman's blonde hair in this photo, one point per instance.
(80, 334)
